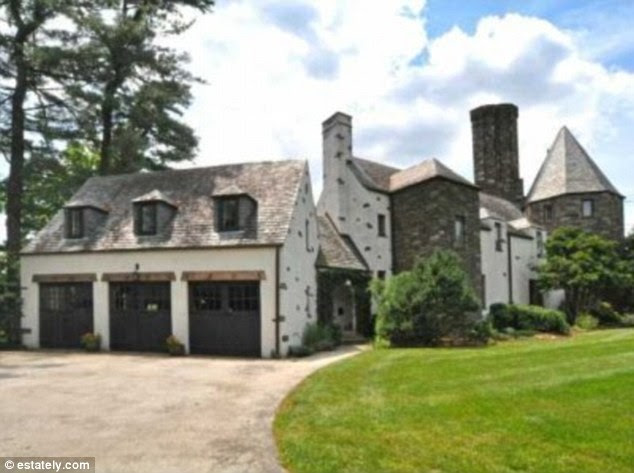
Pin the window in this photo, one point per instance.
(548, 212)
(459, 224)
(380, 275)
(381, 225)
(244, 297)
(587, 207)
(74, 223)
(146, 218)
(207, 297)
(540, 244)
(307, 235)
(499, 241)
(229, 214)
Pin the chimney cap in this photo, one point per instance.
(338, 118)
(484, 111)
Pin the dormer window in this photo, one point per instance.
(229, 214)
(145, 218)
(75, 222)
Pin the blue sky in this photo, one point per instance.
(409, 71)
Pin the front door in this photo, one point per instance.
(140, 315)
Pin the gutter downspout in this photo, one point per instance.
(510, 266)
(277, 301)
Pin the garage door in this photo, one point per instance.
(140, 315)
(66, 313)
(224, 318)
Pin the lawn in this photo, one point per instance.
(547, 406)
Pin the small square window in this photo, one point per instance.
(459, 228)
(548, 212)
(380, 275)
(587, 207)
(229, 214)
(75, 223)
(381, 225)
(146, 218)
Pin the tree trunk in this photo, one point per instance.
(105, 164)
(15, 183)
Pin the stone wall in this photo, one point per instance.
(567, 212)
(495, 151)
(423, 220)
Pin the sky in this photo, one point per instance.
(409, 71)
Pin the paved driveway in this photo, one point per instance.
(147, 413)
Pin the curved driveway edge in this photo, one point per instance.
(148, 413)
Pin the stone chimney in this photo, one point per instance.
(337, 151)
(495, 151)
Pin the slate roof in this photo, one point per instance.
(568, 169)
(382, 178)
(496, 207)
(274, 185)
(424, 171)
(336, 250)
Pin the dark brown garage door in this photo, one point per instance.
(140, 315)
(224, 318)
(66, 313)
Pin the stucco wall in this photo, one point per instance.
(494, 265)
(249, 259)
(298, 279)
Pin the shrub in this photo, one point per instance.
(528, 318)
(299, 351)
(627, 320)
(432, 302)
(320, 337)
(606, 315)
(174, 346)
(91, 341)
(482, 332)
(586, 321)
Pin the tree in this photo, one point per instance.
(584, 265)
(134, 90)
(422, 306)
(50, 181)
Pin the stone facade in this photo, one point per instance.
(566, 211)
(495, 151)
(424, 219)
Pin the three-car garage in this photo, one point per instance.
(223, 316)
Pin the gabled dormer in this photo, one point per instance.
(235, 211)
(153, 212)
(82, 219)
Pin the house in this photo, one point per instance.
(222, 257)
(237, 259)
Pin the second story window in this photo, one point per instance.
(381, 225)
(75, 223)
(459, 227)
(548, 212)
(146, 218)
(229, 214)
(498, 236)
(587, 207)
(540, 245)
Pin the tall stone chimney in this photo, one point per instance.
(495, 151)
(337, 151)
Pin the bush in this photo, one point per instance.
(91, 341)
(586, 321)
(174, 346)
(299, 351)
(627, 320)
(482, 332)
(528, 318)
(320, 337)
(606, 315)
(432, 302)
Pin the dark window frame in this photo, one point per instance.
(307, 230)
(499, 240)
(381, 224)
(459, 237)
(140, 222)
(548, 212)
(75, 228)
(223, 222)
(583, 208)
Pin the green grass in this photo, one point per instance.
(546, 406)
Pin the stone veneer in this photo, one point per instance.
(423, 219)
(607, 220)
(495, 151)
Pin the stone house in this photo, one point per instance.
(237, 259)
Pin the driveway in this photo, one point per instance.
(147, 413)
